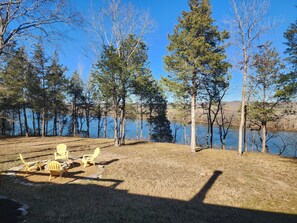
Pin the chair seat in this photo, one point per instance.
(90, 158)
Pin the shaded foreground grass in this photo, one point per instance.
(154, 182)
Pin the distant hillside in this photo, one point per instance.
(287, 122)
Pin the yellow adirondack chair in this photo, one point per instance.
(62, 152)
(90, 158)
(55, 168)
(30, 165)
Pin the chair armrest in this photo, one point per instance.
(87, 155)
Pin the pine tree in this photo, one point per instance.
(106, 75)
(14, 84)
(193, 45)
(56, 88)
(40, 88)
(288, 81)
(161, 131)
(145, 88)
(75, 90)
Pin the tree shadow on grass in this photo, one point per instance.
(89, 202)
(135, 143)
(105, 163)
(289, 160)
(17, 158)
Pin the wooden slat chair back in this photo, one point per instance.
(62, 152)
(55, 168)
(90, 158)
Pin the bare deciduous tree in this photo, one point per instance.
(247, 25)
(114, 22)
(27, 19)
(117, 25)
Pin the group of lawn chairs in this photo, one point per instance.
(58, 166)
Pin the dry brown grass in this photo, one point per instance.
(153, 182)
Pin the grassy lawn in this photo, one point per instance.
(152, 182)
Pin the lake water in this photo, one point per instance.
(277, 142)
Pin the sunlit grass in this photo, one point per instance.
(146, 179)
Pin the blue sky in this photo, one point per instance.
(165, 14)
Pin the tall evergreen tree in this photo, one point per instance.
(41, 102)
(193, 45)
(88, 105)
(14, 84)
(56, 89)
(161, 131)
(288, 81)
(106, 75)
(145, 89)
(75, 90)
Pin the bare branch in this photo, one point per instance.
(112, 24)
(21, 19)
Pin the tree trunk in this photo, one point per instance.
(185, 134)
(26, 122)
(46, 127)
(55, 124)
(122, 120)
(20, 121)
(141, 121)
(74, 118)
(98, 128)
(33, 122)
(263, 127)
(88, 122)
(193, 123)
(211, 135)
(3, 129)
(13, 123)
(150, 124)
(208, 130)
(38, 123)
(136, 123)
(124, 131)
(43, 123)
(210, 123)
(175, 134)
(224, 144)
(115, 119)
(63, 122)
(105, 124)
(242, 102)
(244, 130)
(99, 123)
(59, 125)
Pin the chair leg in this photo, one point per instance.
(50, 176)
(27, 169)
